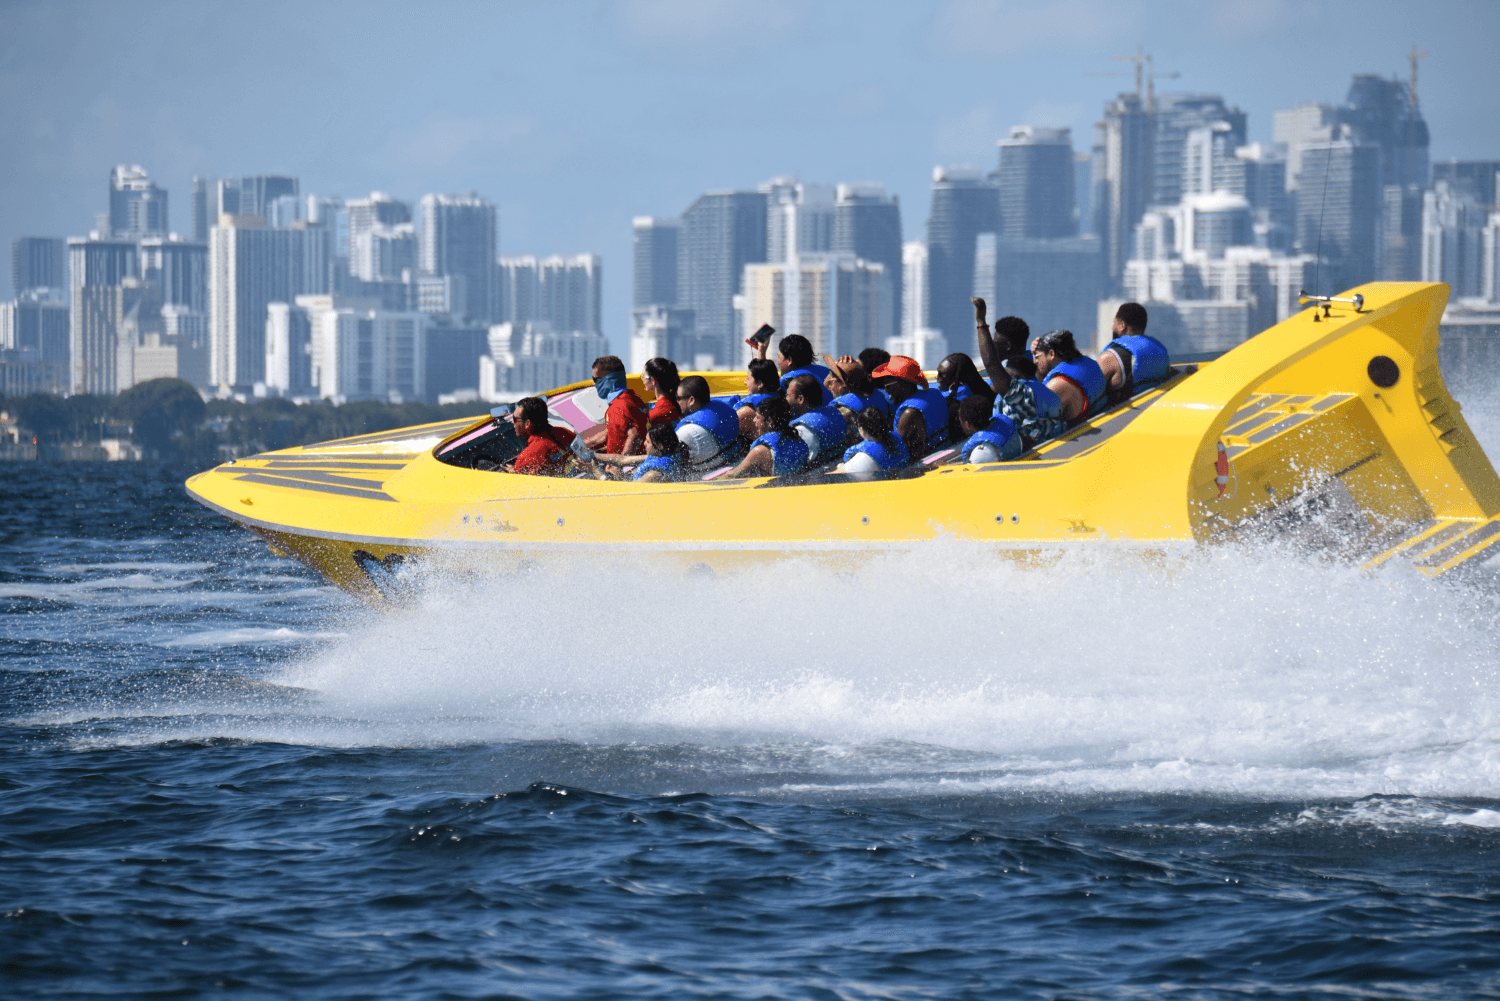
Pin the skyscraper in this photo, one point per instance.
(1453, 227)
(571, 289)
(136, 205)
(867, 226)
(383, 253)
(459, 235)
(1338, 215)
(1478, 181)
(799, 218)
(840, 304)
(655, 261)
(1173, 118)
(1293, 128)
(97, 273)
(963, 206)
(249, 266)
(37, 262)
(179, 268)
(721, 233)
(563, 292)
(380, 209)
(1035, 181)
(1381, 112)
(205, 206)
(1124, 163)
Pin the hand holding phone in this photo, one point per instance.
(761, 336)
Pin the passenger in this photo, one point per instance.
(873, 358)
(761, 383)
(1132, 359)
(853, 391)
(665, 456)
(625, 420)
(1011, 335)
(878, 449)
(709, 428)
(1073, 376)
(660, 377)
(821, 426)
(778, 451)
(1034, 410)
(795, 357)
(921, 412)
(992, 437)
(546, 449)
(958, 379)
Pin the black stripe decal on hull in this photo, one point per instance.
(326, 488)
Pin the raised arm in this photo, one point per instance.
(990, 353)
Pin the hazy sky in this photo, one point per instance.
(574, 116)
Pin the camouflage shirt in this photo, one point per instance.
(1037, 420)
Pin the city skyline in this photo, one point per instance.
(897, 92)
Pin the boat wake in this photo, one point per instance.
(1221, 670)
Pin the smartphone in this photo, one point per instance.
(761, 336)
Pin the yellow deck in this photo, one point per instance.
(1310, 438)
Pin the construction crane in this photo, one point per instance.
(1145, 72)
(1415, 55)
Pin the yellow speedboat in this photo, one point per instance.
(1334, 426)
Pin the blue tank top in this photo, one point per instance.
(828, 425)
(1001, 434)
(876, 399)
(933, 407)
(816, 371)
(719, 419)
(670, 466)
(1087, 376)
(788, 452)
(1149, 360)
(886, 458)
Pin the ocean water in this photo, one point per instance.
(1226, 774)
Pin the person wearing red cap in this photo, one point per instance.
(921, 412)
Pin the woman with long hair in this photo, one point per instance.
(779, 450)
(879, 448)
(660, 376)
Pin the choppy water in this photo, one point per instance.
(1232, 775)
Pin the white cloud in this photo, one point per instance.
(1014, 27)
(701, 21)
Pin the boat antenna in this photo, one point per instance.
(1322, 207)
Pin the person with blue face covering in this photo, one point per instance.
(625, 421)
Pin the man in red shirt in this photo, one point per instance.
(625, 421)
(546, 452)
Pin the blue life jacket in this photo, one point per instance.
(1143, 360)
(828, 425)
(886, 458)
(719, 419)
(788, 452)
(752, 400)
(1001, 434)
(876, 399)
(670, 466)
(933, 407)
(1088, 377)
(816, 371)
